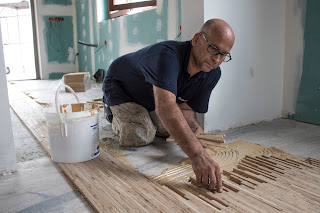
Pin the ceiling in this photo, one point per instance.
(15, 4)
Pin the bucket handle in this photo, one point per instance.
(63, 127)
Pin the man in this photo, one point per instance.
(174, 79)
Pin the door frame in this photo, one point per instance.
(35, 39)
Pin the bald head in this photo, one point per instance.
(217, 28)
(217, 34)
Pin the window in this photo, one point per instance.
(118, 8)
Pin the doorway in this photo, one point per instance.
(18, 41)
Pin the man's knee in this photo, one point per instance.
(133, 124)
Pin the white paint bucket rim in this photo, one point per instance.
(89, 110)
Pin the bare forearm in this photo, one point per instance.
(190, 116)
(173, 120)
(178, 127)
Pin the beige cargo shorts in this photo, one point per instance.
(135, 125)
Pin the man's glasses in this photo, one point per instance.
(225, 57)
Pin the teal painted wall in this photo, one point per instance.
(58, 37)
(62, 2)
(148, 31)
(56, 75)
(140, 30)
(83, 32)
(308, 102)
(109, 30)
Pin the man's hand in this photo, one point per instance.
(198, 131)
(170, 114)
(207, 171)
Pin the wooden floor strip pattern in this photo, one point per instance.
(255, 178)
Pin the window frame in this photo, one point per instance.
(123, 9)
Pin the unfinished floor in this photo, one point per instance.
(39, 186)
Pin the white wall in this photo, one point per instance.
(56, 10)
(173, 19)
(8, 160)
(191, 18)
(250, 89)
(293, 58)
(191, 21)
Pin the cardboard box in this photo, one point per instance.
(79, 82)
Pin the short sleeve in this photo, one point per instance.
(161, 70)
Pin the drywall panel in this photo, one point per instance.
(58, 38)
(48, 68)
(132, 32)
(251, 85)
(308, 102)
(86, 26)
(62, 2)
(8, 160)
(293, 57)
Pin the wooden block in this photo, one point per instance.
(170, 139)
(222, 135)
(211, 143)
(215, 137)
(204, 143)
(75, 77)
(211, 138)
(79, 82)
(170, 186)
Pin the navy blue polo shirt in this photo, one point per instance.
(131, 77)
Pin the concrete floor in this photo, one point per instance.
(39, 186)
(294, 137)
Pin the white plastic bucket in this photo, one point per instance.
(73, 130)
